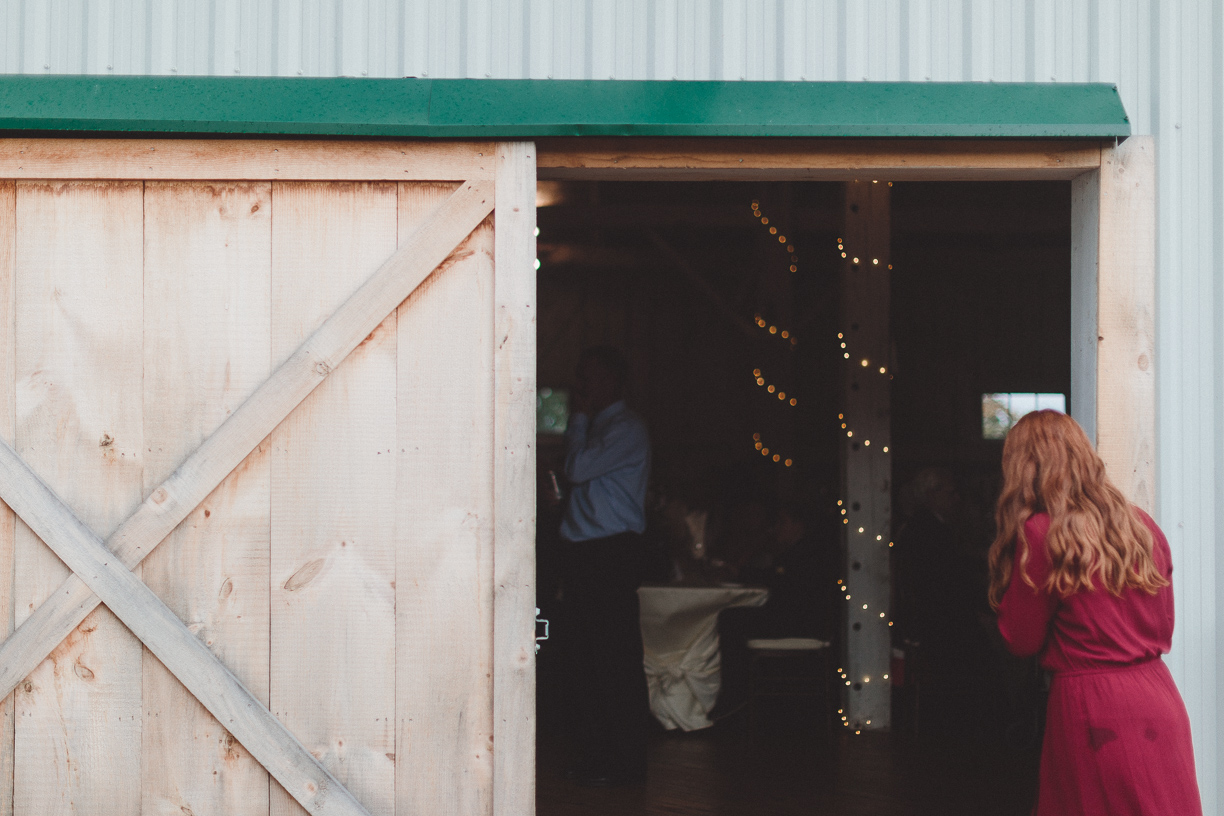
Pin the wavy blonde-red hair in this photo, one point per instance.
(1096, 536)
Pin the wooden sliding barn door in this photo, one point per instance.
(277, 418)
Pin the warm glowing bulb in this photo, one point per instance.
(863, 363)
(794, 401)
(764, 451)
(764, 220)
(790, 248)
(773, 329)
(759, 445)
(875, 261)
(843, 254)
(776, 457)
(756, 436)
(855, 260)
(890, 543)
(849, 433)
(760, 380)
(885, 449)
(843, 345)
(847, 355)
(770, 389)
(756, 372)
(781, 239)
(879, 538)
(881, 369)
(839, 504)
(860, 529)
(785, 334)
(794, 268)
(788, 463)
(866, 442)
(882, 615)
(773, 230)
(841, 416)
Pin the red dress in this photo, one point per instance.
(1117, 738)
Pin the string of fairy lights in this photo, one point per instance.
(770, 387)
(774, 329)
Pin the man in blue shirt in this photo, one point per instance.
(607, 463)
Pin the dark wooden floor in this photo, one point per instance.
(720, 772)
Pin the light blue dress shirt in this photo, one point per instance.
(607, 461)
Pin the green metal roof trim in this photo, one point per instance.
(489, 108)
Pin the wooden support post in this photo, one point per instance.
(1113, 322)
(867, 475)
(514, 482)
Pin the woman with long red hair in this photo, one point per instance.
(1081, 577)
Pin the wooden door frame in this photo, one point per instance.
(1113, 228)
(1113, 291)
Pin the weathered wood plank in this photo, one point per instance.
(208, 249)
(333, 496)
(84, 552)
(8, 522)
(444, 530)
(419, 254)
(1085, 240)
(79, 426)
(244, 159)
(1126, 321)
(813, 159)
(514, 481)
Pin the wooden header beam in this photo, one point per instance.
(628, 159)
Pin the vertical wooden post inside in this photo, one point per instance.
(867, 470)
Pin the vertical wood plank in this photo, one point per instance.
(867, 465)
(207, 284)
(514, 482)
(1126, 370)
(1085, 234)
(333, 497)
(8, 522)
(79, 365)
(444, 529)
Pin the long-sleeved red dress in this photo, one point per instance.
(1117, 738)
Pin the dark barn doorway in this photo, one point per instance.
(717, 319)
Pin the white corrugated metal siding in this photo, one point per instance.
(1166, 58)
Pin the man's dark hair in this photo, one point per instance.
(610, 359)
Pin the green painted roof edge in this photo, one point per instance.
(514, 109)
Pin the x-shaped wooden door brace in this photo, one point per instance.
(101, 571)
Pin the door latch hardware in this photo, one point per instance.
(538, 621)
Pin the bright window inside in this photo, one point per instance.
(1001, 411)
(552, 410)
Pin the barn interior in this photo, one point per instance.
(732, 344)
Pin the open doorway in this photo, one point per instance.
(730, 338)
